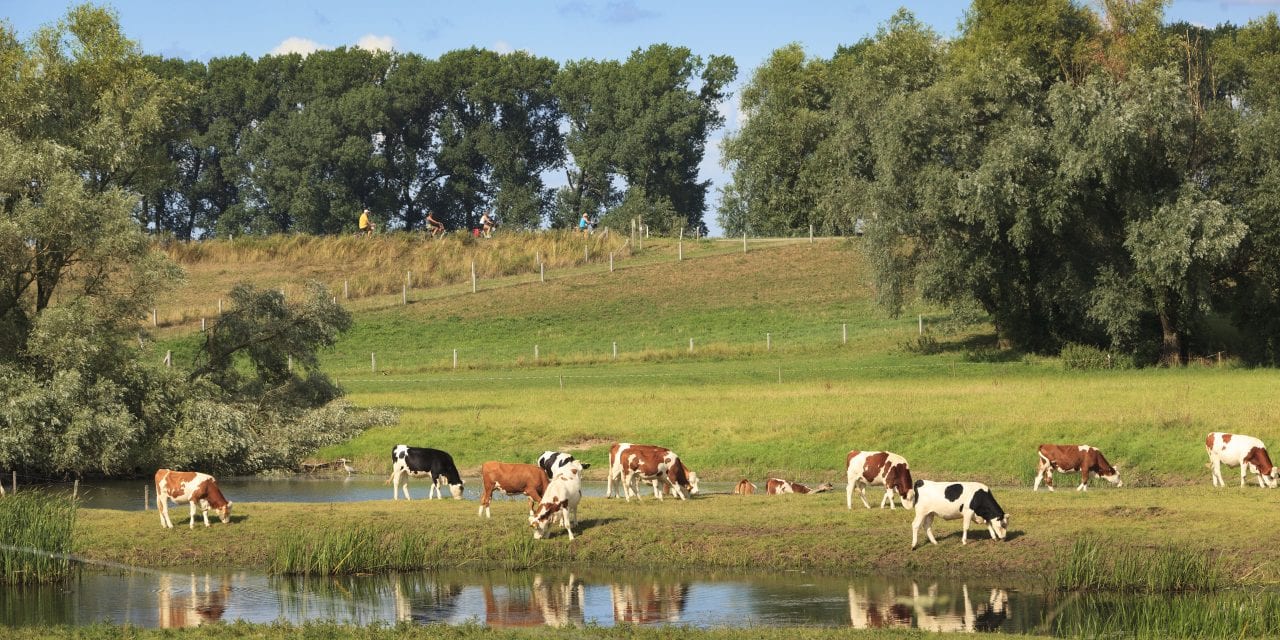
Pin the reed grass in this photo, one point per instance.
(36, 531)
(1234, 614)
(1097, 565)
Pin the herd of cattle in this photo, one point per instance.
(554, 484)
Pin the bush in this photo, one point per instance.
(1085, 357)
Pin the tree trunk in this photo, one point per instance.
(1172, 353)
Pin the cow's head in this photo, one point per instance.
(224, 514)
(999, 527)
(824, 487)
(693, 484)
(540, 521)
(899, 481)
(1113, 477)
(456, 491)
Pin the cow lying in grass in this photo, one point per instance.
(778, 486)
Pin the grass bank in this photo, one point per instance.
(813, 533)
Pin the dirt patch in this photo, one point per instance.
(584, 443)
(1140, 512)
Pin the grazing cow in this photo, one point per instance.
(1245, 452)
(1065, 458)
(776, 486)
(192, 488)
(418, 462)
(511, 478)
(553, 461)
(560, 500)
(953, 500)
(744, 488)
(878, 467)
(651, 464)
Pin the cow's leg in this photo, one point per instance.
(1244, 469)
(657, 493)
(928, 528)
(888, 497)
(1041, 469)
(564, 517)
(163, 505)
(608, 489)
(434, 493)
(204, 511)
(964, 531)
(1215, 463)
(395, 483)
(848, 495)
(915, 529)
(862, 493)
(1084, 479)
(192, 523)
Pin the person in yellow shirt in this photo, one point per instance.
(366, 225)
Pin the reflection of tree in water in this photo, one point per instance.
(648, 601)
(191, 605)
(536, 600)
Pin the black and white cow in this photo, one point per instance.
(421, 462)
(953, 500)
(552, 462)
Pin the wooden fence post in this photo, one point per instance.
(202, 325)
(373, 362)
(455, 358)
(844, 333)
(615, 349)
(219, 306)
(75, 489)
(610, 262)
(768, 342)
(155, 321)
(346, 289)
(690, 345)
(542, 272)
(810, 234)
(404, 294)
(473, 276)
(535, 353)
(744, 241)
(920, 319)
(146, 498)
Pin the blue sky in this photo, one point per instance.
(562, 30)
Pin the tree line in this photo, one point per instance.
(1080, 175)
(292, 143)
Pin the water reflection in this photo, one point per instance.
(192, 604)
(523, 599)
(648, 601)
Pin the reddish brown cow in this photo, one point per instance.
(878, 467)
(1065, 458)
(652, 464)
(1242, 451)
(511, 478)
(192, 488)
(744, 488)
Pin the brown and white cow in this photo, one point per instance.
(192, 488)
(559, 501)
(633, 462)
(778, 486)
(1245, 452)
(878, 467)
(511, 478)
(744, 488)
(1065, 458)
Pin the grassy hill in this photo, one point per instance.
(740, 404)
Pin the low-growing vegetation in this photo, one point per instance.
(1097, 565)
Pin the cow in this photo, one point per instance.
(744, 488)
(1065, 458)
(552, 461)
(560, 500)
(418, 462)
(511, 478)
(953, 500)
(651, 464)
(885, 468)
(777, 486)
(192, 488)
(1245, 452)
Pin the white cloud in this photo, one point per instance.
(294, 44)
(370, 42)
(503, 47)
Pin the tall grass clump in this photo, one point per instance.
(356, 550)
(1094, 565)
(1234, 614)
(36, 533)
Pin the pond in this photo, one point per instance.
(502, 599)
